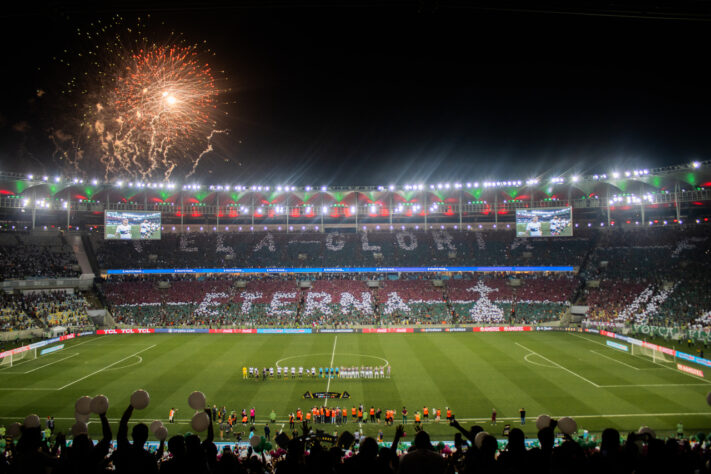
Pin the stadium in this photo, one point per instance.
(425, 281)
(345, 237)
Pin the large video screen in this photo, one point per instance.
(544, 222)
(132, 225)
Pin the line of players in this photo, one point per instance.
(363, 372)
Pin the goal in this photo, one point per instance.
(656, 356)
(14, 359)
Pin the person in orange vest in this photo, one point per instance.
(360, 415)
(308, 417)
(372, 414)
(425, 414)
(328, 415)
(449, 414)
(322, 415)
(438, 416)
(353, 413)
(171, 415)
(314, 412)
(299, 415)
(417, 418)
(244, 419)
(291, 421)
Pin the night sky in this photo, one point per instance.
(362, 93)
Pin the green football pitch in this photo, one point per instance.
(562, 374)
(110, 233)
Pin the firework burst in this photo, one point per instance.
(145, 109)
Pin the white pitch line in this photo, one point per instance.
(657, 385)
(333, 355)
(51, 363)
(560, 366)
(107, 367)
(614, 360)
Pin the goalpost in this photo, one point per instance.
(13, 359)
(656, 356)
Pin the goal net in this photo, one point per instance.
(656, 356)
(14, 359)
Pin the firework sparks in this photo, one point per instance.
(146, 109)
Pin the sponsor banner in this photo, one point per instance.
(544, 328)
(621, 347)
(284, 331)
(387, 330)
(335, 331)
(49, 350)
(502, 328)
(458, 329)
(85, 333)
(126, 331)
(429, 329)
(233, 331)
(67, 336)
(690, 370)
(666, 350)
(164, 271)
(182, 330)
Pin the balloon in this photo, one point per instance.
(161, 433)
(567, 425)
(155, 425)
(196, 400)
(83, 405)
(543, 421)
(648, 431)
(14, 430)
(200, 421)
(82, 418)
(99, 404)
(79, 428)
(140, 399)
(32, 421)
(479, 438)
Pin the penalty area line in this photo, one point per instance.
(559, 366)
(104, 368)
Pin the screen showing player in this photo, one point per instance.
(544, 222)
(132, 225)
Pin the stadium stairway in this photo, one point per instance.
(77, 243)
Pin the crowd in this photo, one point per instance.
(338, 249)
(304, 448)
(42, 309)
(24, 256)
(337, 301)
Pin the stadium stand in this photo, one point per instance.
(25, 256)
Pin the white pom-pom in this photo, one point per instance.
(14, 430)
(196, 400)
(479, 438)
(32, 421)
(200, 421)
(567, 425)
(79, 428)
(155, 425)
(543, 421)
(99, 404)
(161, 433)
(83, 405)
(82, 418)
(140, 399)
